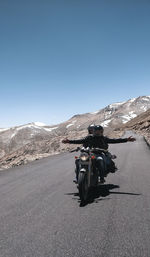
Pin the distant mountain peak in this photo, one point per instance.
(40, 124)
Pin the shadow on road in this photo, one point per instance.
(100, 191)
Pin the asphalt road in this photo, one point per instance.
(40, 213)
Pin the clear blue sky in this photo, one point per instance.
(60, 58)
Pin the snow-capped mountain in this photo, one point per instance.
(111, 116)
(39, 139)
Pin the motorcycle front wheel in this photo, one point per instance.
(83, 186)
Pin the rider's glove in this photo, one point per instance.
(131, 139)
(65, 141)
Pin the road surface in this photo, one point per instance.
(41, 216)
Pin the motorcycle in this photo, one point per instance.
(88, 174)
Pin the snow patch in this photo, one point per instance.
(105, 123)
(128, 117)
(107, 114)
(50, 129)
(116, 104)
(27, 126)
(69, 125)
(94, 112)
(4, 129)
(132, 100)
(35, 127)
(33, 131)
(144, 108)
(40, 124)
(146, 98)
(13, 135)
(132, 114)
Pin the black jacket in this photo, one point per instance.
(98, 141)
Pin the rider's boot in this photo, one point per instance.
(76, 171)
(102, 180)
(76, 178)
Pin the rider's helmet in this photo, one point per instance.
(91, 128)
(98, 127)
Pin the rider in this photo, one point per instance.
(109, 164)
(91, 129)
(98, 140)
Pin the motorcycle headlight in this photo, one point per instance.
(84, 157)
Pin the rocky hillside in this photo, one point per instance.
(140, 124)
(35, 140)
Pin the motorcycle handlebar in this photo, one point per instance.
(92, 150)
(75, 150)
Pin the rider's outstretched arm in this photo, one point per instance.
(119, 140)
(76, 141)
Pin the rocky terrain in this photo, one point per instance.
(19, 145)
(140, 125)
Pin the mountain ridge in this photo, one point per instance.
(36, 140)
